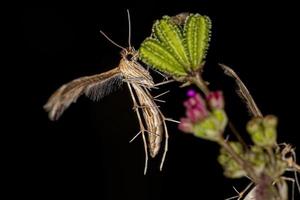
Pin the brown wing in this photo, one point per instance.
(152, 117)
(95, 87)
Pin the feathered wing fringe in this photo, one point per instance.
(95, 87)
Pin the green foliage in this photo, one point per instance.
(177, 49)
(153, 52)
(197, 35)
(170, 35)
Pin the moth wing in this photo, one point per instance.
(95, 87)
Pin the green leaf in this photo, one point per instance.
(197, 35)
(156, 55)
(177, 49)
(171, 36)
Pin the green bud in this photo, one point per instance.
(257, 157)
(263, 130)
(254, 126)
(206, 129)
(231, 168)
(221, 118)
(258, 138)
(270, 121)
(271, 136)
(237, 147)
(212, 127)
(270, 125)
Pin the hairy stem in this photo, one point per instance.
(244, 164)
(200, 83)
(237, 134)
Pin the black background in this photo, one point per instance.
(86, 153)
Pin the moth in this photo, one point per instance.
(152, 122)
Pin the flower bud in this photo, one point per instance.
(215, 100)
(263, 130)
(270, 121)
(185, 125)
(254, 126)
(231, 168)
(222, 119)
(204, 123)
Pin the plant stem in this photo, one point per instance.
(199, 82)
(237, 134)
(244, 164)
(272, 156)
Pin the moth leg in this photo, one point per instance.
(241, 194)
(172, 120)
(161, 101)
(156, 97)
(146, 152)
(152, 133)
(164, 82)
(291, 161)
(296, 169)
(166, 143)
(293, 185)
(142, 129)
(161, 94)
(135, 137)
(163, 75)
(140, 133)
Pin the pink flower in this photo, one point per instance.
(195, 111)
(202, 121)
(196, 114)
(185, 125)
(215, 100)
(195, 107)
(191, 93)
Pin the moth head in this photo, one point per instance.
(129, 54)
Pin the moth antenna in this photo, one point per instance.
(129, 28)
(114, 43)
